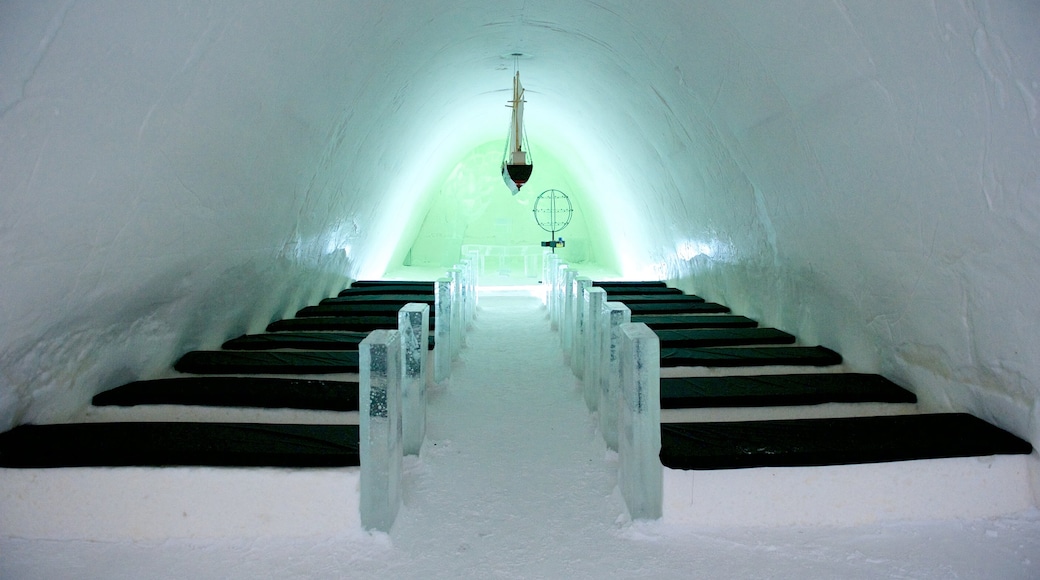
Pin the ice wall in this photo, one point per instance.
(863, 174)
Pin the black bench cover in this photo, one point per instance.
(380, 283)
(703, 337)
(677, 308)
(652, 298)
(267, 362)
(401, 299)
(343, 340)
(334, 323)
(349, 309)
(780, 390)
(813, 442)
(260, 392)
(396, 289)
(749, 356)
(176, 444)
(668, 321)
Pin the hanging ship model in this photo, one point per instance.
(516, 163)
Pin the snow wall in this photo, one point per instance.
(864, 174)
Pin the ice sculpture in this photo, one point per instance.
(567, 325)
(640, 474)
(614, 314)
(442, 354)
(594, 299)
(457, 329)
(581, 283)
(413, 324)
(380, 429)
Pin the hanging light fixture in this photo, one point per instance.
(516, 162)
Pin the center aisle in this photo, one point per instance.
(513, 480)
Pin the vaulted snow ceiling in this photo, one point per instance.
(865, 174)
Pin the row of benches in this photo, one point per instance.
(716, 392)
(346, 393)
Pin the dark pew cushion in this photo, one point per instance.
(704, 337)
(814, 442)
(389, 289)
(667, 321)
(334, 323)
(349, 309)
(401, 299)
(677, 308)
(343, 340)
(268, 362)
(261, 392)
(177, 444)
(380, 283)
(652, 298)
(780, 390)
(749, 356)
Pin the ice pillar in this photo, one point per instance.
(413, 324)
(442, 330)
(567, 324)
(581, 283)
(474, 259)
(613, 316)
(594, 299)
(380, 429)
(548, 269)
(458, 329)
(557, 300)
(640, 474)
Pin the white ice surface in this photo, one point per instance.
(515, 482)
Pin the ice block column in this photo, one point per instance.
(468, 288)
(567, 324)
(557, 283)
(548, 268)
(474, 257)
(594, 299)
(640, 474)
(613, 316)
(413, 324)
(380, 429)
(458, 331)
(581, 283)
(442, 354)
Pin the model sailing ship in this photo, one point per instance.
(516, 163)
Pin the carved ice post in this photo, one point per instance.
(457, 329)
(594, 299)
(614, 315)
(380, 429)
(567, 322)
(474, 257)
(413, 324)
(640, 474)
(442, 331)
(581, 283)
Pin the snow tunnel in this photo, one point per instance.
(863, 174)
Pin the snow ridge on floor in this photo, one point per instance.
(514, 481)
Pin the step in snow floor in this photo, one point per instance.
(146, 481)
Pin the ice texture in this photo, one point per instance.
(381, 436)
(567, 324)
(458, 328)
(442, 354)
(613, 315)
(413, 324)
(594, 299)
(640, 474)
(581, 283)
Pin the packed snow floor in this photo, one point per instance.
(515, 482)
